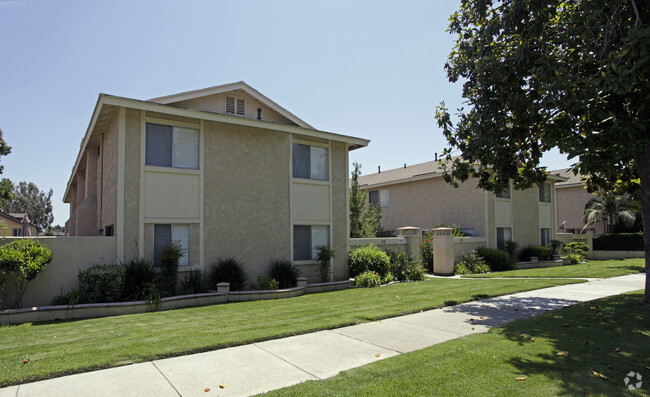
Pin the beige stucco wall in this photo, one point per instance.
(132, 184)
(571, 203)
(217, 104)
(69, 255)
(108, 201)
(426, 203)
(246, 188)
(340, 219)
(525, 209)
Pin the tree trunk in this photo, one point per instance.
(643, 164)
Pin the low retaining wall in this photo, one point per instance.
(539, 264)
(91, 310)
(603, 255)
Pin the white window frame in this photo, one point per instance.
(175, 128)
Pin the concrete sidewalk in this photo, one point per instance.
(259, 367)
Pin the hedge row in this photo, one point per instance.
(619, 242)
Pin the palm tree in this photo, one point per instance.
(613, 209)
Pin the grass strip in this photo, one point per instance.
(554, 354)
(66, 347)
(590, 269)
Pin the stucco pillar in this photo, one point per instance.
(443, 251)
(413, 237)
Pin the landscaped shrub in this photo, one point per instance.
(169, 256)
(511, 249)
(192, 283)
(264, 283)
(101, 284)
(426, 251)
(404, 268)
(140, 281)
(471, 263)
(367, 279)
(554, 247)
(68, 299)
(619, 242)
(576, 252)
(324, 256)
(497, 260)
(368, 257)
(285, 272)
(23, 258)
(228, 270)
(542, 253)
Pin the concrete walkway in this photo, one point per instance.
(273, 364)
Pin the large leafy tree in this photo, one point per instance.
(365, 219)
(5, 185)
(541, 74)
(28, 198)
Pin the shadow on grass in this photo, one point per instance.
(610, 336)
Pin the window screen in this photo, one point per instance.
(310, 162)
(164, 235)
(504, 234)
(307, 238)
(168, 146)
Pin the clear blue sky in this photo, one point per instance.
(372, 69)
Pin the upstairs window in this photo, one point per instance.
(310, 162)
(169, 146)
(504, 194)
(545, 193)
(235, 106)
(380, 197)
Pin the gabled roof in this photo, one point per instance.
(220, 89)
(107, 105)
(572, 179)
(416, 172)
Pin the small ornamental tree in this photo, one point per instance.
(23, 260)
(169, 256)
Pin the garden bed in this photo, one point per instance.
(92, 310)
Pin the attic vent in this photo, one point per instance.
(235, 105)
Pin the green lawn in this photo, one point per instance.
(591, 269)
(60, 348)
(569, 344)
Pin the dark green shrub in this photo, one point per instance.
(542, 253)
(511, 249)
(228, 270)
(23, 258)
(554, 247)
(285, 273)
(264, 283)
(368, 257)
(169, 256)
(192, 283)
(404, 267)
(496, 259)
(426, 251)
(68, 299)
(471, 263)
(101, 284)
(140, 280)
(367, 279)
(324, 256)
(619, 242)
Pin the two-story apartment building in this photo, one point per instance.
(224, 170)
(418, 196)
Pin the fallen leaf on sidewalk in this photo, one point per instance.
(222, 386)
(481, 317)
(598, 374)
(207, 389)
(378, 355)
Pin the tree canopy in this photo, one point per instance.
(543, 74)
(365, 219)
(28, 198)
